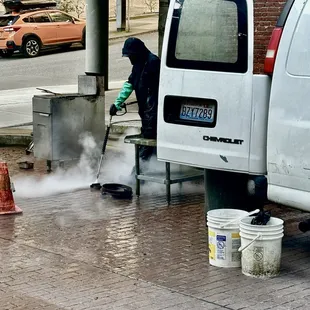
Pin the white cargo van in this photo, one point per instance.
(216, 114)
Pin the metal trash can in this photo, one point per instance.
(60, 120)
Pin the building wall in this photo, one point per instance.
(266, 14)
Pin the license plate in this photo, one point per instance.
(197, 113)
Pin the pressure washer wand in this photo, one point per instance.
(97, 185)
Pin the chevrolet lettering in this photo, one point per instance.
(223, 140)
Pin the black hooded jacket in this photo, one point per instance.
(145, 81)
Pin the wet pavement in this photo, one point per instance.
(81, 250)
(13, 154)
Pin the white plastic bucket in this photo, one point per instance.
(224, 242)
(261, 247)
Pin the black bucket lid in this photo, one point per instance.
(120, 191)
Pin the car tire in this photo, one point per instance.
(31, 47)
(83, 42)
(6, 54)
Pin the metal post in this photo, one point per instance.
(206, 206)
(137, 163)
(168, 185)
(128, 15)
(163, 11)
(97, 39)
(120, 15)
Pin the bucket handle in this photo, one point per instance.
(239, 218)
(241, 249)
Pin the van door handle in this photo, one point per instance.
(242, 35)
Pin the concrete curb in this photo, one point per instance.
(15, 140)
(125, 34)
(22, 138)
(122, 128)
(131, 34)
(113, 19)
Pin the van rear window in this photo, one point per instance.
(7, 20)
(209, 35)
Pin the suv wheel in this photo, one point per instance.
(84, 39)
(31, 47)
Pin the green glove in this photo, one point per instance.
(123, 95)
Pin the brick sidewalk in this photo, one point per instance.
(81, 251)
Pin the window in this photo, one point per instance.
(39, 18)
(8, 20)
(59, 17)
(209, 35)
(298, 62)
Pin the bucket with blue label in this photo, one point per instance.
(224, 239)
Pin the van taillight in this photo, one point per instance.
(272, 50)
(11, 29)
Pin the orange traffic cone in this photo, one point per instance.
(7, 205)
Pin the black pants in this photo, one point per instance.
(148, 131)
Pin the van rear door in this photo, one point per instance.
(205, 96)
(288, 147)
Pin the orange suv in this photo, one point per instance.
(30, 31)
